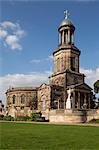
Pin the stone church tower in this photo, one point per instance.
(66, 69)
(66, 57)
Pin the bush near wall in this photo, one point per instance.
(94, 121)
(1, 117)
(34, 116)
(22, 118)
(8, 118)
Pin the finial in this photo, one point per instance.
(66, 14)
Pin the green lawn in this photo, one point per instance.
(28, 136)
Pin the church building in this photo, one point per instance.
(67, 94)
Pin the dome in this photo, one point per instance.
(66, 22)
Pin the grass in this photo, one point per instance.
(28, 136)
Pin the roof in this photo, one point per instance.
(66, 22)
(12, 89)
(82, 85)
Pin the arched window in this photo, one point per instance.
(13, 99)
(8, 100)
(22, 99)
(58, 64)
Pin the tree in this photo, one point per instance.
(96, 86)
(96, 90)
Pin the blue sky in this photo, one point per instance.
(29, 36)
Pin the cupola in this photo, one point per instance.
(66, 31)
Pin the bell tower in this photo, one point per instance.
(66, 56)
(66, 31)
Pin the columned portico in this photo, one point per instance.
(79, 96)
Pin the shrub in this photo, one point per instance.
(1, 117)
(8, 118)
(22, 118)
(34, 116)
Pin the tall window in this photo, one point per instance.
(22, 99)
(58, 64)
(13, 99)
(73, 63)
(8, 100)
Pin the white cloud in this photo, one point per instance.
(11, 34)
(3, 33)
(12, 41)
(91, 75)
(8, 24)
(20, 33)
(50, 58)
(37, 61)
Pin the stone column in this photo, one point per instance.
(68, 36)
(18, 99)
(58, 104)
(55, 65)
(72, 38)
(63, 37)
(78, 100)
(10, 101)
(73, 100)
(89, 101)
(85, 96)
(85, 101)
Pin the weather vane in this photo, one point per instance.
(66, 14)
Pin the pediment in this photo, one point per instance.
(43, 85)
(84, 86)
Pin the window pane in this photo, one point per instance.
(13, 99)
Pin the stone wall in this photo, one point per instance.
(19, 108)
(93, 114)
(74, 78)
(44, 98)
(67, 116)
(70, 116)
